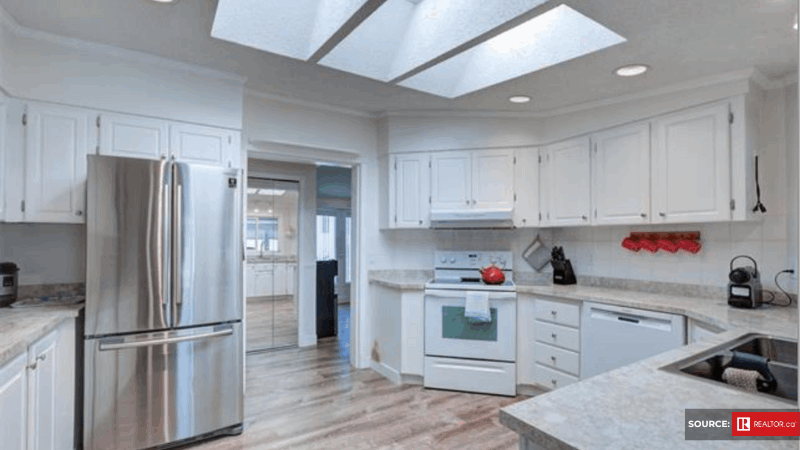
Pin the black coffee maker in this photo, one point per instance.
(9, 283)
(744, 288)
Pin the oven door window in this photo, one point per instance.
(456, 326)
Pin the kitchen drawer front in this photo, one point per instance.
(551, 378)
(564, 337)
(558, 312)
(558, 358)
(469, 375)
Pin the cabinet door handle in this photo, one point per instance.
(474, 201)
(555, 383)
(643, 215)
(553, 358)
(78, 213)
(553, 312)
(584, 217)
(468, 202)
(420, 221)
(42, 357)
(555, 336)
(662, 214)
(32, 366)
(524, 220)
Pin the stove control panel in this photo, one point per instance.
(472, 260)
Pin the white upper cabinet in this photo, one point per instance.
(57, 140)
(492, 179)
(621, 170)
(691, 175)
(133, 136)
(409, 192)
(526, 188)
(204, 145)
(569, 182)
(451, 181)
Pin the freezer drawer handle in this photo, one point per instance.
(121, 345)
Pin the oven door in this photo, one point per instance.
(448, 333)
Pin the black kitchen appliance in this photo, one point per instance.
(10, 283)
(744, 288)
(562, 267)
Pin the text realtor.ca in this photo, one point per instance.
(742, 424)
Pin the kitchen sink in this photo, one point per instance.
(780, 355)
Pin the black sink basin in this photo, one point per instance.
(781, 356)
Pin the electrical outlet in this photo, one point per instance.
(793, 266)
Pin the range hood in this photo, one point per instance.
(494, 218)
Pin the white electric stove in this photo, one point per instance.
(461, 354)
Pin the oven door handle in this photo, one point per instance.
(442, 293)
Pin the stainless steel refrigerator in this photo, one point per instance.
(163, 336)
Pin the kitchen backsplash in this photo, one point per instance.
(45, 253)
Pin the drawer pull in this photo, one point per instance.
(553, 312)
(553, 358)
(555, 336)
(627, 319)
(555, 383)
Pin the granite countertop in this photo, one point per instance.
(271, 259)
(639, 405)
(412, 280)
(20, 327)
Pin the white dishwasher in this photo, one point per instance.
(613, 336)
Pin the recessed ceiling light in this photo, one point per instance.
(631, 70)
(164, 1)
(519, 99)
(795, 21)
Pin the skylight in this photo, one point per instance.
(556, 36)
(293, 28)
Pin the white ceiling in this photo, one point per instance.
(679, 40)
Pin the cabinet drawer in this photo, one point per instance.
(558, 312)
(568, 338)
(558, 358)
(551, 378)
(263, 267)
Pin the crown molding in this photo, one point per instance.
(10, 24)
(309, 104)
(299, 153)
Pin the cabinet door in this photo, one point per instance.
(692, 166)
(42, 393)
(291, 270)
(264, 282)
(14, 402)
(280, 279)
(3, 161)
(132, 136)
(410, 190)
(56, 142)
(250, 283)
(621, 175)
(544, 188)
(450, 181)
(569, 167)
(526, 188)
(204, 145)
(493, 179)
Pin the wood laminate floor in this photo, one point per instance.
(310, 398)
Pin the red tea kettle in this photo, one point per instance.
(492, 274)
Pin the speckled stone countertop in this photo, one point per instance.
(21, 327)
(412, 280)
(640, 405)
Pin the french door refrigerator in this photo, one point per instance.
(163, 333)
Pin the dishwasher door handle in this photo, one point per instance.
(627, 319)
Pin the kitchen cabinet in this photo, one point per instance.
(621, 175)
(14, 398)
(291, 271)
(410, 190)
(451, 181)
(4, 163)
(692, 171)
(526, 188)
(567, 199)
(477, 179)
(263, 285)
(697, 330)
(133, 136)
(279, 279)
(57, 140)
(37, 391)
(557, 350)
(204, 145)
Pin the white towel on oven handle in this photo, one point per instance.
(477, 306)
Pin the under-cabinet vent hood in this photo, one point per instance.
(473, 219)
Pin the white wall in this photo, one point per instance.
(45, 253)
(415, 134)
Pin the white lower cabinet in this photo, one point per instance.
(557, 335)
(37, 393)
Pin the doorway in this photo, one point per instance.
(271, 247)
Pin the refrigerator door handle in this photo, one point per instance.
(177, 244)
(115, 343)
(165, 251)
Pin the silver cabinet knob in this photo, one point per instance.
(42, 357)
(474, 201)
(553, 312)
(555, 336)
(662, 214)
(32, 366)
(643, 215)
(79, 213)
(555, 383)
(468, 202)
(420, 221)
(553, 358)
(584, 218)
(524, 220)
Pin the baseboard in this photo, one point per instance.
(531, 390)
(307, 340)
(385, 371)
(415, 380)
